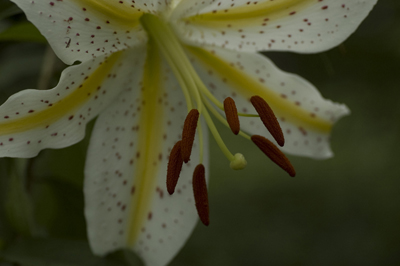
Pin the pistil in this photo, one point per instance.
(187, 77)
(197, 98)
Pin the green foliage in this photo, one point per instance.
(8, 9)
(22, 32)
(59, 208)
(57, 252)
(18, 205)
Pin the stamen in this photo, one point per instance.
(268, 118)
(232, 115)
(269, 149)
(189, 130)
(174, 167)
(200, 194)
(221, 118)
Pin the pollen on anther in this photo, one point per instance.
(273, 153)
(188, 133)
(268, 118)
(232, 115)
(174, 167)
(200, 194)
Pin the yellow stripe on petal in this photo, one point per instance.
(247, 86)
(67, 105)
(114, 12)
(151, 131)
(251, 13)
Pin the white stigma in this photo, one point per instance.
(239, 162)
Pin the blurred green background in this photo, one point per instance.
(341, 211)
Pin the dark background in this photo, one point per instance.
(341, 211)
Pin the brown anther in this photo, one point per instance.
(174, 167)
(268, 118)
(200, 194)
(274, 153)
(189, 130)
(232, 115)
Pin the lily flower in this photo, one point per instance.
(149, 68)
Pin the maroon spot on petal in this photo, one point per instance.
(303, 131)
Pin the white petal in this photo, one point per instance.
(305, 117)
(153, 6)
(127, 204)
(84, 29)
(305, 26)
(32, 120)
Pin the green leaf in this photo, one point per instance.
(18, 206)
(66, 165)
(55, 252)
(22, 32)
(8, 9)
(59, 208)
(6, 231)
(131, 258)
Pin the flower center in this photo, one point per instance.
(200, 101)
(194, 90)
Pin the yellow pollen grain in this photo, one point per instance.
(64, 107)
